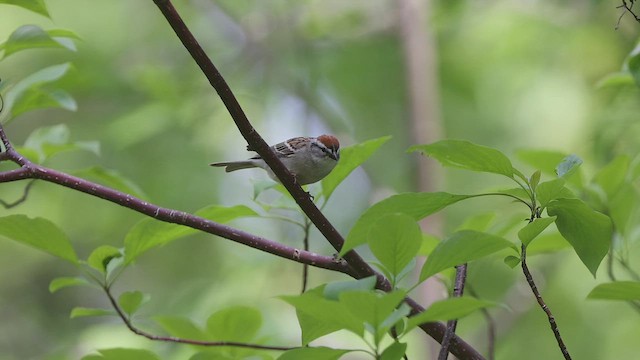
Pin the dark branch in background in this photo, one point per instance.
(360, 267)
(305, 267)
(543, 305)
(610, 259)
(458, 291)
(135, 330)
(627, 5)
(20, 200)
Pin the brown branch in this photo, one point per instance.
(458, 291)
(255, 141)
(543, 305)
(628, 8)
(137, 331)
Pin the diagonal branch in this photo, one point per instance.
(255, 141)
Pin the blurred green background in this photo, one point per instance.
(507, 74)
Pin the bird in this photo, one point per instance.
(309, 159)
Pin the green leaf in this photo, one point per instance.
(33, 37)
(237, 323)
(42, 98)
(448, 309)
(27, 93)
(51, 140)
(633, 64)
(64, 282)
(624, 206)
(330, 314)
(101, 256)
(372, 309)
(39, 233)
(612, 176)
(617, 290)
(313, 328)
(150, 233)
(333, 290)
(533, 229)
(548, 243)
(588, 231)
(350, 158)
(544, 160)
(315, 353)
(395, 241)
(37, 6)
(616, 80)
(123, 354)
(130, 301)
(466, 155)
(568, 166)
(415, 205)
(550, 190)
(395, 351)
(461, 247)
(84, 312)
(112, 179)
(534, 180)
(479, 222)
(512, 261)
(181, 327)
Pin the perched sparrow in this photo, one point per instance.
(309, 159)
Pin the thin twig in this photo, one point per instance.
(458, 291)
(137, 331)
(491, 327)
(543, 305)
(23, 198)
(305, 267)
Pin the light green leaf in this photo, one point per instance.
(33, 37)
(123, 354)
(611, 177)
(84, 312)
(568, 166)
(550, 190)
(616, 80)
(395, 241)
(350, 158)
(534, 180)
(237, 323)
(373, 309)
(448, 309)
(466, 155)
(512, 261)
(331, 314)
(130, 301)
(150, 233)
(63, 282)
(39, 233)
(545, 160)
(26, 94)
(112, 179)
(51, 140)
(588, 231)
(42, 98)
(617, 290)
(37, 6)
(533, 229)
(181, 327)
(415, 205)
(313, 327)
(101, 256)
(548, 243)
(461, 247)
(478, 222)
(314, 353)
(333, 290)
(395, 351)
(633, 64)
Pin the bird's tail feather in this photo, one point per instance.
(234, 165)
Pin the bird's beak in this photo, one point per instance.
(335, 155)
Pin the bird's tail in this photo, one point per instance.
(234, 165)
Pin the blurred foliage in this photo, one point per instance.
(549, 75)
